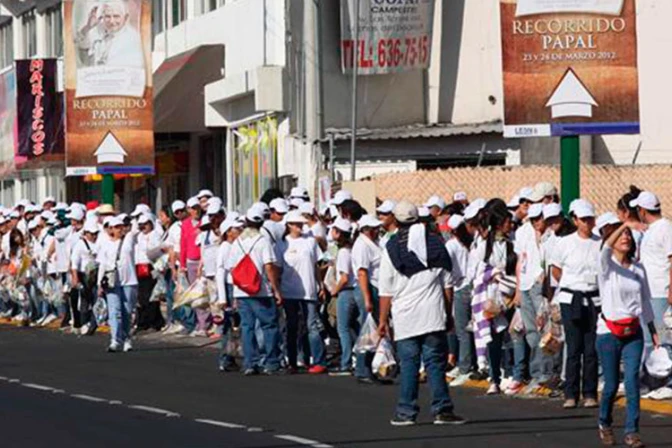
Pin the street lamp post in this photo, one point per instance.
(355, 66)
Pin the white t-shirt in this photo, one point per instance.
(62, 259)
(145, 241)
(459, 256)
(174, 237)
(318, 230)
(578, 258)
(344, 266)
(624, 291)
(418, 302)
(273, 231)
(366, 255)
(529, 252)
(83, 256)
(125, 267)
(223, 276)
(298, 258)
(261, 252)
(655, 255)
(208, 242)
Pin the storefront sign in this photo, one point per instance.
(7, 122)
(39, 108)
(570, 67)
(394, 35)
(108, 87)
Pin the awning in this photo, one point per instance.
(179, 82)
(418, 131)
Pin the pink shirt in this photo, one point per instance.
(188, 248)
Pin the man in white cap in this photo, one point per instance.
(436, 205)
(274, 227)
(203, 197)
(49, 203)
(340, 197)
(461, 197)
(385, 214)
(547, 192)
(299, 193)
(83, 271)
(656, 256)
(416, 289)
(252, 257)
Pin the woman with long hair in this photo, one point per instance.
(628, 214)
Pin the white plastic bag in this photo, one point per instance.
(160, 289)
(368, 339)
(384, 365)
(100, 311)
(658, 363)
(196, 295)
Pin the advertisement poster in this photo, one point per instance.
(39, 109)
(108, 87)
(8, 125)
(570, 67)
(394, 36)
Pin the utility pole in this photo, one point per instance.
(355, 65)
(570, 174)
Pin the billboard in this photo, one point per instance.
(394, 35)
(108, 87)
(8, 127)
(570, 67)
(39, 109)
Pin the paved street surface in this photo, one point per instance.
(57, 390)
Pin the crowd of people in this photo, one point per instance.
(517, 293)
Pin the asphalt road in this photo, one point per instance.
(59, 390)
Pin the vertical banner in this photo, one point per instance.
(108, 87)
(8, 126)
(39, 109)
(570, 67)
(394, 35)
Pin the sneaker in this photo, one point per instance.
(569, 403)
(633, 441)
(128, 346)
(607, 436)
(175, 329)
(317, 370)
(39, 322)
(339, 371)
(453, 373)
(514, 388)
(590, 403)
(400, 420)
(49, 319)
(366, 380)
(250, 372)
(113, 348)
(448, 418)
(199, 334)
(461, 380)
(493, 390)
(84, 329)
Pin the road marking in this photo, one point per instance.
(155, 410)
(255, 429)
(3, 378)
(38, 387)
(89, 398)
(13, 380)
(302, 441)
(115, 402)
(220, 424)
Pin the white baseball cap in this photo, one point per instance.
(296, 202)
(577, 203)
(205, 221)
(604, 220)
(144, 219)
(307, 208)
(545, 189)
(423, 211)
(115, 221)
(107, 220)
(123, 217)
(405, 212)
(255, 214)
(15, 215)
(76, 214)
(552, 210)
(343, 225)
(295, 217)
(369, 221)
(514, 202)
(140, 209)
(233, 216)
(34, 223)
(386, 207)
(299, 192)
(91, 227)
(178, 205)
(474, 208)
(455, 221)
(341, 196)
(279, 205)
(214, 208)
(460, 196)
(61, 206)
(229, 224)
(584, 210)
(49, 199)
(192, 202)
(204, 194)
(436, 201)
(647, 201)
(535, 211)
(263, 207)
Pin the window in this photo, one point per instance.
(211, 5)
(179, 11)
(29, 34)
(6, 45)
(54, 23)
(157, 18)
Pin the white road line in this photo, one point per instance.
(3, 378)
(89, 398)
(155, 410)
(38, 387)
(220, 424)
(13, 380)
(302, 441)
(255, 429)
(115, 402)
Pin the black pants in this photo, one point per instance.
(149, 313)
(580, 337)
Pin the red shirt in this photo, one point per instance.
(188, 248)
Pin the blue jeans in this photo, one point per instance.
(527, 348)
(611, 351)
(495, 355)
(264, 310)
(346, 307)
(306, 312)
(364, 360)
(432, 350)
(120, 305)
(462, 317)
(659, 306)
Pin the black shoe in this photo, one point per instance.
(480, 375)
(231, 368)
(401, 420)
(338, 371)
(448, 418)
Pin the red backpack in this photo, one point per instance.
(245, 275)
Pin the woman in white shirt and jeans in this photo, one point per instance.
(626, 301)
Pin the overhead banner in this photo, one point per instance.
(394, 35)
(39, 109)
(108, 87)
(570, 67)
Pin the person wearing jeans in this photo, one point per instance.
(265, 311)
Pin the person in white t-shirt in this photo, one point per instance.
(314, 227)
(149, 312)
(83, 271)
(416, 290)
(274, 227)
(298, 256)
(626, 306)
(575, 261)
(366, 255)
(261, 305)
(629, 214)
(656, 257)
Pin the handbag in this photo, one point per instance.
(143, 270)
(623, 328)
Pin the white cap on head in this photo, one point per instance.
(436, 201)
(204, 194)
(214, 208)
(343, 225)
(474, 208)
(192, 202)
(107, 220)
(279, 205)
(233, 216)
(405, 212)
(584, 211)
(369, 221)
(15, 215)
(263, 207)
(295, 217)
(423, 211)
(299, 192)
(115, 221)
(545, 189)
(91, 227)
(105, 209)
(386, 207)
(333, 211)
(61, 206)
(577, 203)
(49, 199)
(514, 202)
(529, 194)
(123, 217)
(140, 209)
(34, 223)
(228, 224)
(76, 214)
(205, 221)
(296, 202)
(47, 215)
(307, 208)
(455, 221)
(535, 211)
(647, 201)
(605, 219)
(23, 203)
(144, 219)
(460, 196)
(178, 205)
(552, 210)
(341, 196)
(255, 214)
